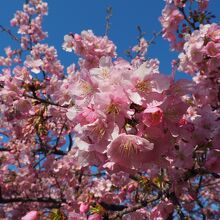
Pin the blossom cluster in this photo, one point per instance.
(201, 52)
(170, 19)
(175, 22)
(121, 109)
(90, 47)
(111, 138)
(29, 22)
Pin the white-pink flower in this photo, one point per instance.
(129, 151)
(34, 64)
(152, 116)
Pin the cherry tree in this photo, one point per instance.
(110, 138)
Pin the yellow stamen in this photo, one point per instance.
(105, 73)
(127, 148)
(143, 86)
(86, 87)
(99, 130)
(112, 108)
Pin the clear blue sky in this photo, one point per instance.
(67, 16)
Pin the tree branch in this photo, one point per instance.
(5, 149)
(46, 101)
(133, 208)
(191, 24)
(112, 207)
(200, 171)
(3, 29)
(49, 151)
(26, 200)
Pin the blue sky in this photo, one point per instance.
(67, 16)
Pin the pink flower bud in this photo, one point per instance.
(84, 207)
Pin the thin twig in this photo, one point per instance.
(26, 200)
(46, 101)
(191, 24)
(107, 20)
(3, 29)
(133, 208)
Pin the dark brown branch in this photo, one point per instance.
(140, 33)
(5, 149)
(70, 142)
(113, 207)
(133, 208)
(199, 184)
(46, 101)
(48, 151)
(191, 24)
(26, 200)
(200, 171)
(3, 29)
(155, 35)
(60, 133)
(175, 201)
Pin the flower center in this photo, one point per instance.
(143, 86)
(113, 109)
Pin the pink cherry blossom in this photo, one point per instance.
(32, 215)
(162, 211)
(110, 137)
(83, 207)
(129, 150)
(152, 116)
(171, 17)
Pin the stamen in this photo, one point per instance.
(143, 86)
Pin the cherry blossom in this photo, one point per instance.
(109, 137)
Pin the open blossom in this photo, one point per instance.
(114, 104)
(68, 43)
(129, 151)
(34, 65)
(146, 80)
(213, 49)
(152, 116)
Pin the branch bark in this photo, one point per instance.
(8, 31)
(133, 208)
(26, 200)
